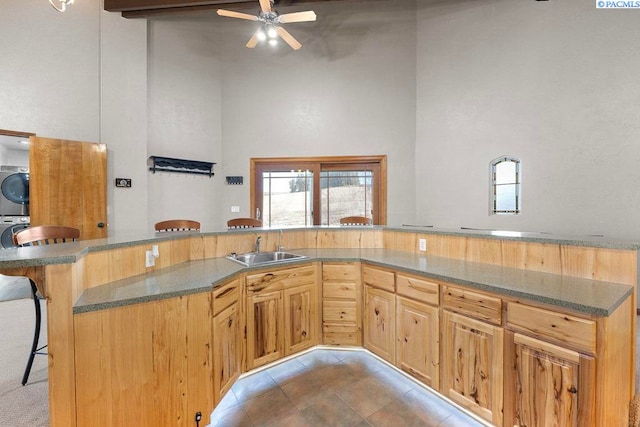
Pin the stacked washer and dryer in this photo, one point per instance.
(14, 202)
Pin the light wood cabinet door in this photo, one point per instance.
(549, 385)
(418, 340)
(472, 371)
(264, 328)
(379, 322)
(227, 350)
(301, 318)
(68, 185)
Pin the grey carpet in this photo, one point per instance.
(28, 405)
(14, 288)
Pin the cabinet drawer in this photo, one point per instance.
(339, 290)
(281, 279)
(474, 304)
(342, 272)
(339, 311)
(225, 295)
(418, 289)
(564, 329)
(378, 278)
(341, 334)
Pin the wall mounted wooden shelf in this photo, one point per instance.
(168, 164)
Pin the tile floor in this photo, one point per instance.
(327, 387)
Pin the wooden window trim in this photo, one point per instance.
(381, 181)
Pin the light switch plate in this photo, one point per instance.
(235, 208)
(422, 244)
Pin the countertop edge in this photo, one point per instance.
(310, 258)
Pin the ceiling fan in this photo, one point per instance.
(271, 24)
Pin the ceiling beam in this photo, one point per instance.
(151, 8)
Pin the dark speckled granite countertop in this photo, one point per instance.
(590, 297)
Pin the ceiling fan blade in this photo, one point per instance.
(253, 41)
(309, 15)
(232, 14)
(288, 38)
(265, 5)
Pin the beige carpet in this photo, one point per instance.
(28, 405)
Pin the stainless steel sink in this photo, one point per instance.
(260, 258)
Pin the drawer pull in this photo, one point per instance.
(226, 291)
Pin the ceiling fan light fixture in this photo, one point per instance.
(273, 42)
(60, 5)
(261, 35)
(271, 32)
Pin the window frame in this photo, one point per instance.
(316, 165)
(494, 186)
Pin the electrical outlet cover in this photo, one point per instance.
(423, 244)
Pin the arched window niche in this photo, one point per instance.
(506, 182)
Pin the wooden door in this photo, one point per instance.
(300, 318)
(549, 385)
(264, 328)
(472, 370)
(68, 185)
(379, 322)
(227, 350)
(418, 340)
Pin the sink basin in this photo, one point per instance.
(259, 258)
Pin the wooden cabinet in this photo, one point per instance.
(379, 322)
(547, 384)
(300, 318)
(472, 371)
(265, 317)
(228, 334)
(341, 304)
(418, 340)
(282, 313)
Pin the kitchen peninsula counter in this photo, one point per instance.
(590, 297)
(591, 277)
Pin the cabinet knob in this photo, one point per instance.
(230, 321)
(101, 225)
(572, 390)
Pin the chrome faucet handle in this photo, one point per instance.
(257, 248)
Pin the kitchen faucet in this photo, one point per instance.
(280, 247)
(257, 248)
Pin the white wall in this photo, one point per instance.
(49, 71)
(123, 68)
(553, 83)
(184, 119)
(441, 92)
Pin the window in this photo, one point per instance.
(505, 185)
(318, 191)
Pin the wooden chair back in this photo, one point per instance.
(244, 223)
(355, 220)
(178, 225)
(45, 235)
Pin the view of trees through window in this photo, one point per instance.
(297, 194)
